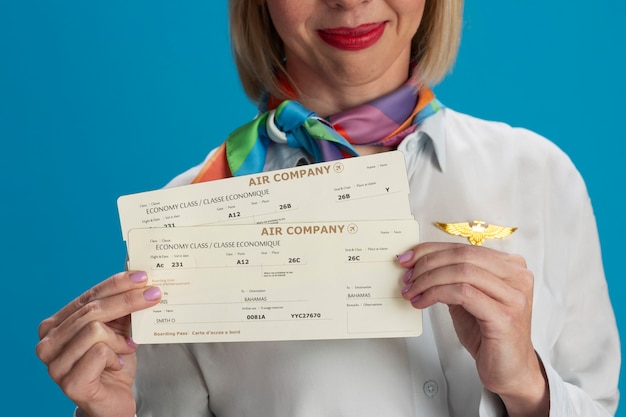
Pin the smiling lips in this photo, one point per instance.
(353, 39)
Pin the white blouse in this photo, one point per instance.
(460, 169)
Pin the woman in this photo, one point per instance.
(518, 326)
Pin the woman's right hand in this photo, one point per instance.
(87, 346)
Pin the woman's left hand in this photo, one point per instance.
(490, 298)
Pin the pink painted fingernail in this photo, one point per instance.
(152, 293)
(131, 342)
(407, 275)
(139, 276)
(122, 361)
(405, 256)
(416, 298)
(406, 288)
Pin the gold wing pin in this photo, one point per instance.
(476, 232)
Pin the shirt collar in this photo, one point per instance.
(432, 130)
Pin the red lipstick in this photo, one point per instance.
(353, 39)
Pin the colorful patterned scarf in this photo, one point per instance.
(384, 121)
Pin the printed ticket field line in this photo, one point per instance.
(330, 190)
(296, 281)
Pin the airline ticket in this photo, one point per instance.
(363, 188)
(294, 281)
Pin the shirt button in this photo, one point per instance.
(431, 388)
(411, 146)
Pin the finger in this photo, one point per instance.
(410, 258)
(82, 383)
(61, 356)
(511, 268)
(115, 284)
(455, 274)
(478, 304)
(105, 310)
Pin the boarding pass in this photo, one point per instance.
(256, 282)
(363, 188)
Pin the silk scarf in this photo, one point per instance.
(383, 122)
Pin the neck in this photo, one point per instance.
(328, 95)
(333, 102)
(370, 149)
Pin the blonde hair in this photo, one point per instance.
(258, 50)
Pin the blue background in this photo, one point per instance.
(104, 98)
